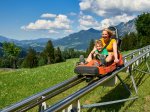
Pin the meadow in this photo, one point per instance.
(21, 83)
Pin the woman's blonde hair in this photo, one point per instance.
(99, 42)
(110, 33)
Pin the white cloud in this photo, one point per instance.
(60, 22)
(60, 25)
(85, 4)
(48, 15)
(111, 8)
(106, 23)
(116, 20)
(113, 11)
(87, 21)
(68, 31)
(72, 14)
(53, 32)
(39, 25)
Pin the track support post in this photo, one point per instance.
(132, 79)
(147, 66)
(74, 107)
(125, 86)
(42, 106)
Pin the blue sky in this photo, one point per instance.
(32, 19)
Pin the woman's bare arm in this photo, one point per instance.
(115, 52)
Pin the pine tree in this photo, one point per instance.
(49, 52)
(11, 51)
(1, 53)
(58, 55)
(90, 48)
(31, 59)
(65, 54)
(42, 59)
(71, 52)
(143, 28)
(143, 24)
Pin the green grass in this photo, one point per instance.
(126, 52)
(18, 84)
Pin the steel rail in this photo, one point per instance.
(37, 96)
(51, 95)
(135, 51)
(108, 103)
(68, 100)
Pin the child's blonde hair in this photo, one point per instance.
(99, 42)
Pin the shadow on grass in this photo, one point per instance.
(141, 77)
(119, 92)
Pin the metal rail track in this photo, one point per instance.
(68, 100)
(36, 99)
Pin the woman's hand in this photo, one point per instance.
(116, 60)
(115, 52)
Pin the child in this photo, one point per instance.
(99, 52)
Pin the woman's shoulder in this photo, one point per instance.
(113, 40)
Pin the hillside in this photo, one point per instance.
(18, 84)
(22, 83)
(3, 39)
(128, 27)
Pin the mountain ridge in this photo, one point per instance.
(79, 40)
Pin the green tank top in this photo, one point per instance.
(103, 52)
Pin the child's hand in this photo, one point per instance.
(94, 49)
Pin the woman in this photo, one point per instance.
(111, 47)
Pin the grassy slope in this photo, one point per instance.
(19, 84)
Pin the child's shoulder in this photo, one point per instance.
(105, 51)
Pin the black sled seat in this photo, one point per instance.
(86, 70)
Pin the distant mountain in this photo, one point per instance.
(40, 40)
(37, 44)
(128, 27)
(79, 40)
(3, 39)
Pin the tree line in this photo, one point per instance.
(12, 56)
(141, 38)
